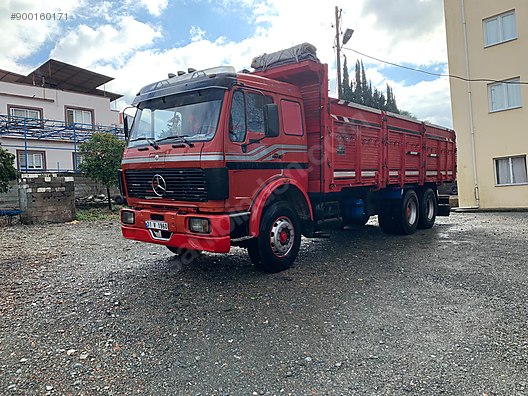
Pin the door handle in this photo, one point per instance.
(276, 156)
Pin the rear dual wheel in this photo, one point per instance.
(428, 209)
(400, 217)
(411, 212)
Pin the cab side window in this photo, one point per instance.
(237, 121)
(292, 118)
(255, 111)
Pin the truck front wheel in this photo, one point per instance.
(277, 246)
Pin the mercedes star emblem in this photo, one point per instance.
(158, 185)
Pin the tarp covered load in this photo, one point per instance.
(294, 54)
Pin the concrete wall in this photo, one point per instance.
(46, 198)
(495, 134)
(84, 187)
(9, 199)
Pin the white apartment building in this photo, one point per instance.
(45, 115)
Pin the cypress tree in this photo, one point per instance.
(360, 91)
(346, 93)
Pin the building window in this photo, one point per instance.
(36, 160)
(511, 170)
(23, 112)
(25, 115)
(504, 95)
(500, 28)
(84, 117)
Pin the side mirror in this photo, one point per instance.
(126, 128)
(271, 120)
(125, 125)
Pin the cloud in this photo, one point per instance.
(426, 100)
(282, 28)
(86, 46)
(127, 47)
(404, 18)
(197, 33)
(21, 38)
(154, 7)
(149, 65)
(399, 31)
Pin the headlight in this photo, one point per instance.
(199, 225)
(127, 217)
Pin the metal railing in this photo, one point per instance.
(52, 130)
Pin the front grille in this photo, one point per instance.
(185, 184)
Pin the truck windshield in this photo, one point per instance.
(191, 116)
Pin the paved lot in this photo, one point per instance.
(441, 312)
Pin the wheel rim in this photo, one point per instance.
(429, 211)
(411, 212)
(282, 236)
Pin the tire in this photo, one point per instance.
(409, 213)
(428, 209)
(279, 240)
(401, 217)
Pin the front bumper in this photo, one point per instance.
(178, 234)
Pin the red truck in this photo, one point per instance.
(216, 159)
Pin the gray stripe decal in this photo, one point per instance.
(204, 157)
(253, 155)
(281, 152)
(263, 153)
(173, 158)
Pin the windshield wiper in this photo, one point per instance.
(150, 141)
(180, 138)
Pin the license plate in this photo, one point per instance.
(157, 225)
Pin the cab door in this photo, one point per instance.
(251, 158)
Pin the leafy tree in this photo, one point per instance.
(407, 114)
(8, 171)
(101, 159)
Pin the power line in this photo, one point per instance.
(488, 80)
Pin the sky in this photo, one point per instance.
(140, 41)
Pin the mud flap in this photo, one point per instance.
(444, 209)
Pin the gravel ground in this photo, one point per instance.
(441, 312)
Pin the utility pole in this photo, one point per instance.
(338, 50)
